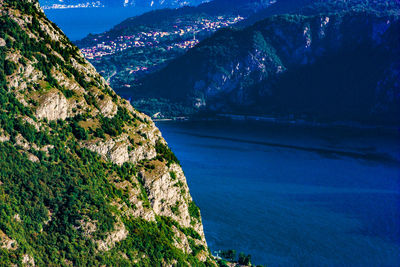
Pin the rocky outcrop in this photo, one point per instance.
(117, 150)
(169, 194)
(6, 242)
(140, 208)
(107, 107)
(52, 106)
(119, 234)
(4, 137)
(33, 158)
(181, 241)
(28, 260)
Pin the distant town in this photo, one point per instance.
(80, 5)
(181, 36)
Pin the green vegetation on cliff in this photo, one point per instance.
(74, 186)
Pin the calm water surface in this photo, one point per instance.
(77, 23)
(293, 196)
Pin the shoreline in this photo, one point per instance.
(282, 121)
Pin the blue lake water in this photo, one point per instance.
(77, 23)
(293, 196)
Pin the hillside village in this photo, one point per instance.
(182, 35)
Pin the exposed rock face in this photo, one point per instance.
(107, 107)
(27, 260)
(119, 234)
(52, 106)
(182, 242)
(167, 187)
(140, 211)
(116, 150)
(4, 138)
(6, 242)
(33, 158)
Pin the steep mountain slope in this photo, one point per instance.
(335, 66)
(84, 178)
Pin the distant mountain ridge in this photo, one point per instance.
(342, 65)
(313, 7)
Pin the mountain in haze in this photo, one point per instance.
(85, 179)
(339, 65)
(48, 4)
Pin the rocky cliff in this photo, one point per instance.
(340, 65)
(85, 179)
